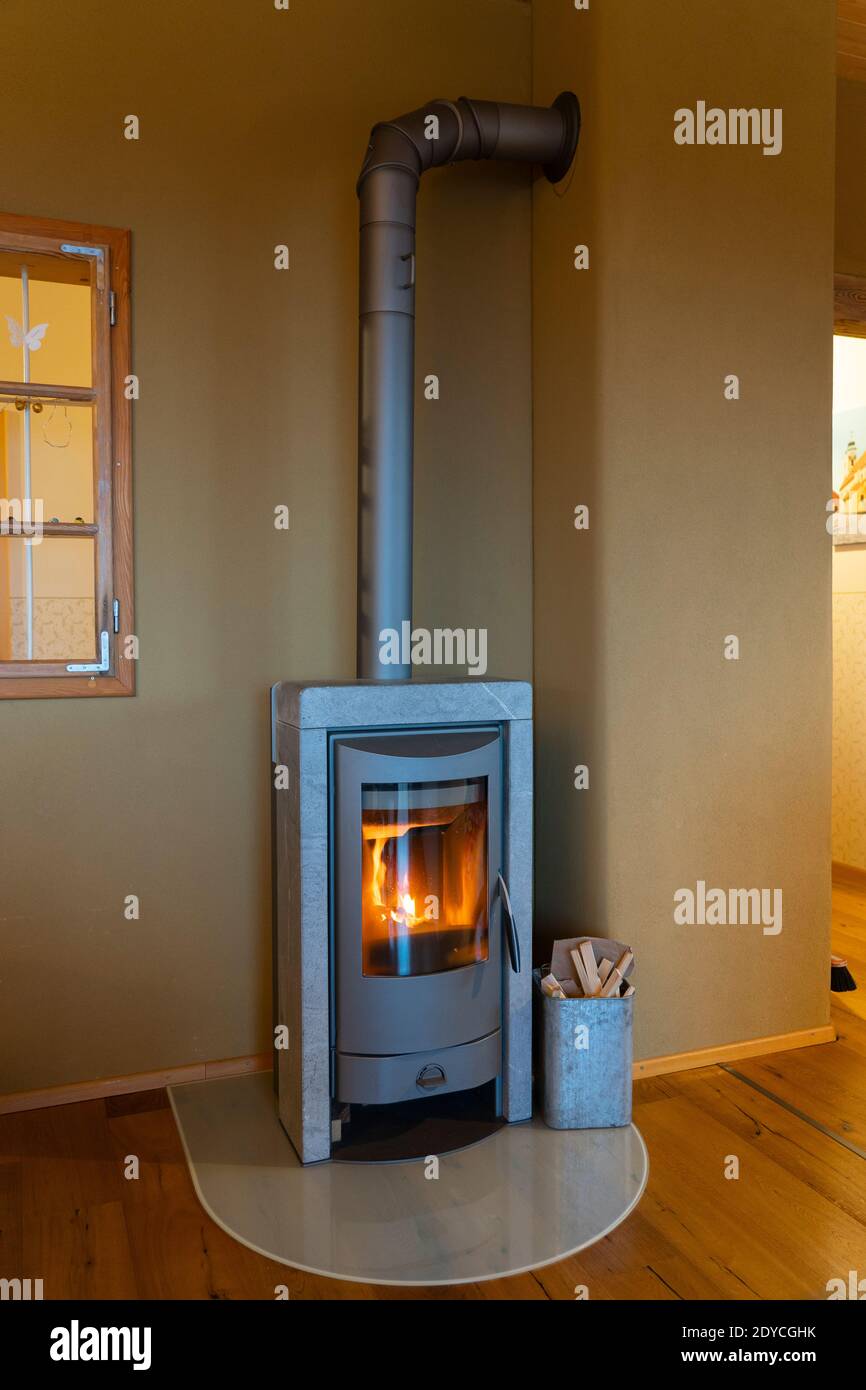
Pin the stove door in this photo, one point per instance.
(417, 853)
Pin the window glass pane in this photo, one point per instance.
(424, 876)
(61, 457)
(45, 333)
(47, 600)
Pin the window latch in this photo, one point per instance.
(96, 667)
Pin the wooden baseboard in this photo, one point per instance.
(126, 1085)
(733, 1052)
(849, 875)
(239, 1066)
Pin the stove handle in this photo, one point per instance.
(430, 1077)
(510, 927)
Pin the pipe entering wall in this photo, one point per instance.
(400, 151)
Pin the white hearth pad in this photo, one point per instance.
(525, 1197)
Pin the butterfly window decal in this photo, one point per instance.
(32, 339)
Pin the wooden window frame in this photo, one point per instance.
(29, 680)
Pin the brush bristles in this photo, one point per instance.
(841, 979)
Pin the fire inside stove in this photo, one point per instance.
(424, 879)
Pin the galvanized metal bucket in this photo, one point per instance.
(585, 1050)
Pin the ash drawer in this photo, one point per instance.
(412, 1075)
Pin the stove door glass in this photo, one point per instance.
(424, 876)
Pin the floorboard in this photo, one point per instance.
(794, 1218)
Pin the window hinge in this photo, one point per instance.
(115, 610)
(112, 308)
(96, 667)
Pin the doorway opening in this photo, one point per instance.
(847, 526)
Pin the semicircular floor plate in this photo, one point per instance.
(525, 1197)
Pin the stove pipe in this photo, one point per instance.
(400, 151)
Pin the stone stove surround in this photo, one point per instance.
(304, 716)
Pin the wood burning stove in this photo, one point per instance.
(420, 907)
(402, 810)
(403, 835)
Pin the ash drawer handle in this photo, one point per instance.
(430, 1077)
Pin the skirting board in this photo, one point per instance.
(732, 1052)
(848, 875)
(237, 1066)
(126, 1085)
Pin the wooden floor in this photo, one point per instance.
(795, 1218)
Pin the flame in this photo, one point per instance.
(404, 913)
(424, 895)
(400, 896)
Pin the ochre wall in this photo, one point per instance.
(253, 125)
(704, 512)
(706, 515)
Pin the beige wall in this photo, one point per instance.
(253, 125)
(707, 516)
